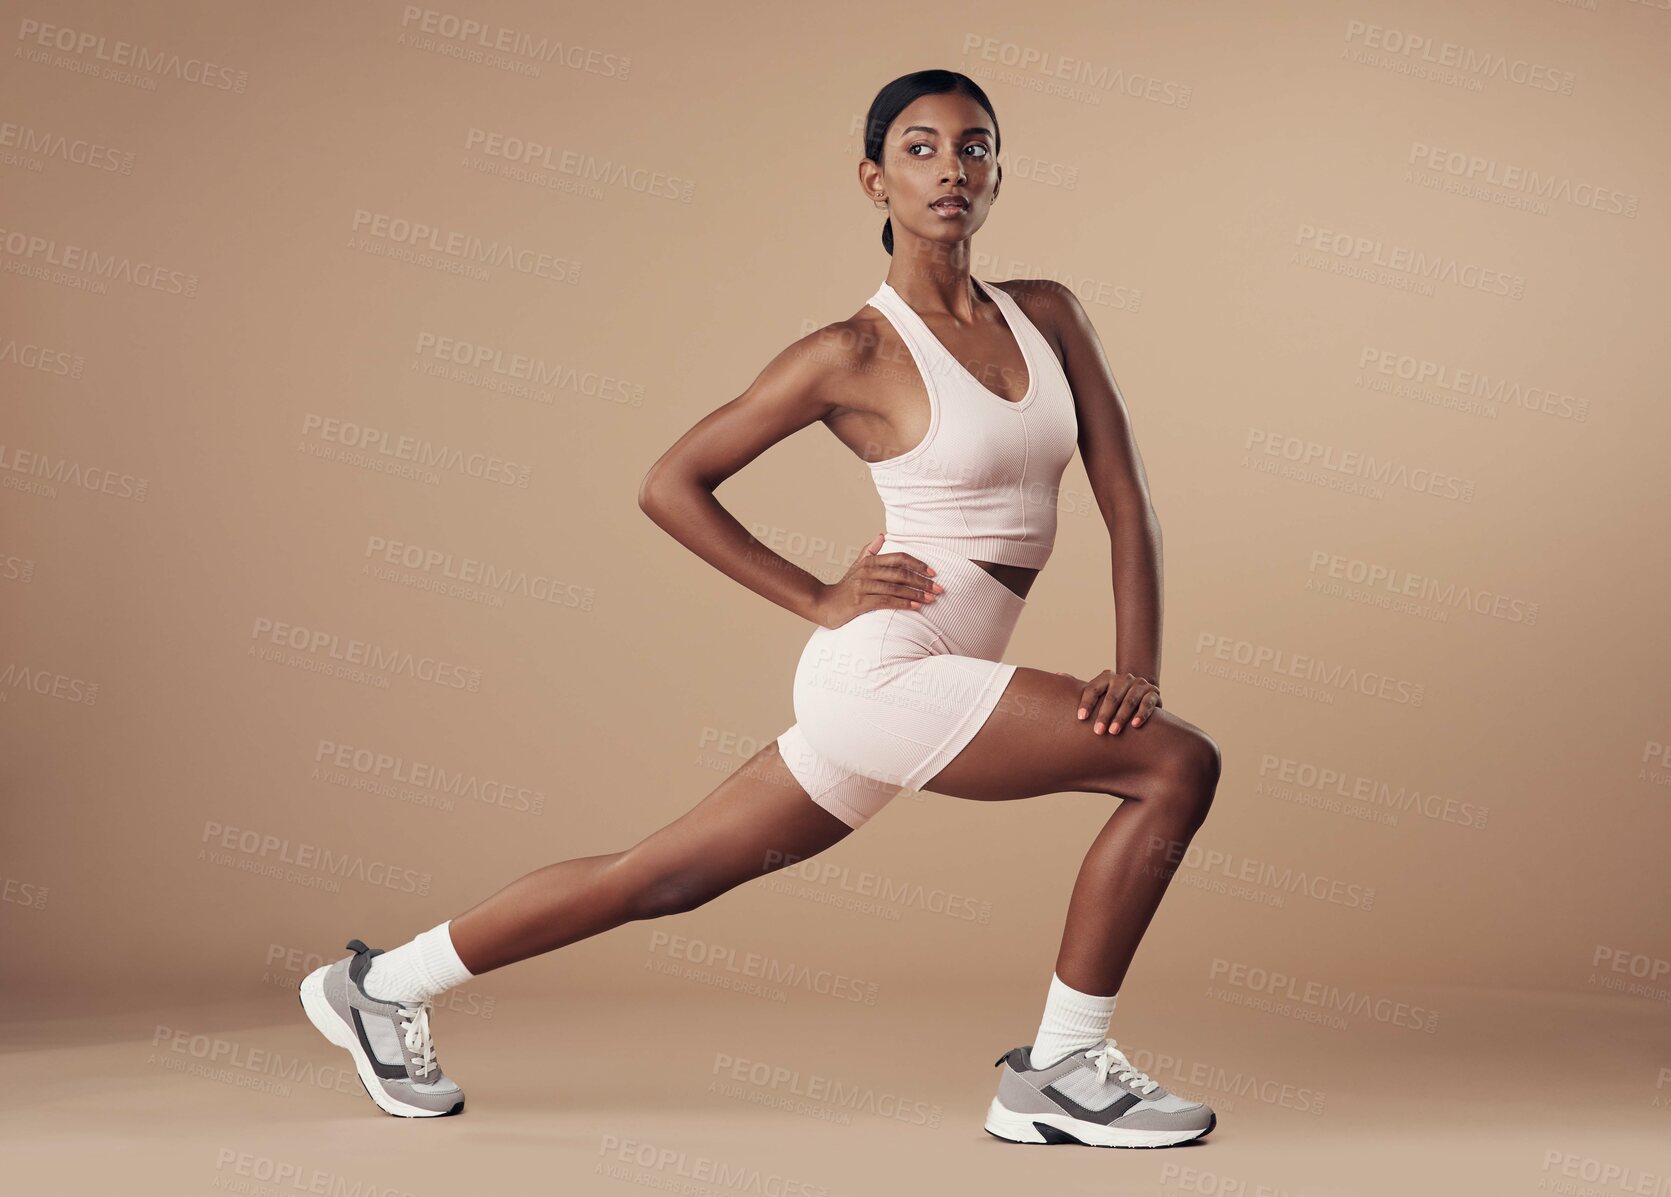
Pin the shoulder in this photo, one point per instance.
(820, 368)
(1050, 305)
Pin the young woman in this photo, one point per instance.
(966, 399)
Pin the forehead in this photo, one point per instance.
(949, 114)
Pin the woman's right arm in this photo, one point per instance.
(678, 491)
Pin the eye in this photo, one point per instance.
(981, 146)
(921, 145)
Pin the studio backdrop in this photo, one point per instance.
(337, 340)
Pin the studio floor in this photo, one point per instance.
(705, 1089)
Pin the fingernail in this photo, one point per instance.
(1136, 719)
(1099, 729)
(1115, 729)
(915, 603)
(1083, 712)
(932, 571)
(941, 589)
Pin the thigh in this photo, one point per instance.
(758, 820)
(1035, 743)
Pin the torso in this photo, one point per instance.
(882, 404)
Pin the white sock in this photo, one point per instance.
(1073, 1021)
(418, 970)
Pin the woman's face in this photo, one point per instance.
(941, 146)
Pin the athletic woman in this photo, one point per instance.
(966, 399)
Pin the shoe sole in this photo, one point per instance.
(1055, 1129)
(336, 1030)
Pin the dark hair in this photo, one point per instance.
(899, 95)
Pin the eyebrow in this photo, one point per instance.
(931, 129)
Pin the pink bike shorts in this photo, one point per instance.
(886, 700)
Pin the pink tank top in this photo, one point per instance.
(983, 482)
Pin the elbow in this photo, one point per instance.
(649, 494)
(662, 490)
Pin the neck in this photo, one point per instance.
(935, 282)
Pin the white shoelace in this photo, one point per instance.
(418, 1042)
(1109, 1058)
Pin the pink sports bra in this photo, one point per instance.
(983, 482)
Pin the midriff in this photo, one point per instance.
(1018, 578)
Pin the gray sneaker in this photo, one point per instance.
(389, 1041)
(1093, 1097)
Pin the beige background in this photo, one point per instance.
(1200, 173)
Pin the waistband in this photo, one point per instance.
(954, 568)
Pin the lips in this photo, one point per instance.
(950, 205)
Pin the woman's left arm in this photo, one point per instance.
(1106, 443)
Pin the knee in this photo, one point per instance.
(673, 893)
(1187, 773)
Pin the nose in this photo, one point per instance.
(955, 172)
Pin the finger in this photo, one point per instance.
(1128, 707)
(905, 559)
(1088, 696)
(876, 602)
(1110, 703)
(871, 548)
(882, 567)
(1151, 700)
(901, 589)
